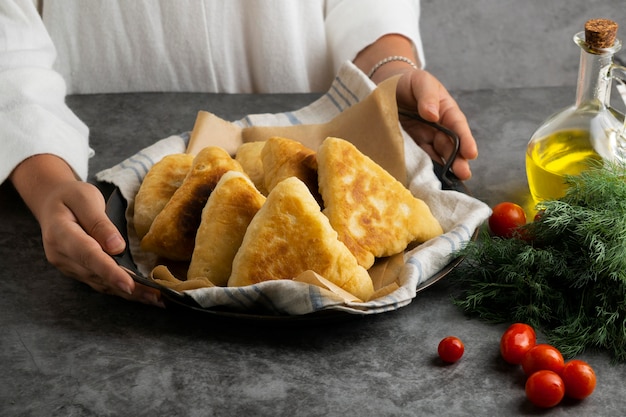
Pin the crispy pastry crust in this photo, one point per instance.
(283, 158)
(225, 219)
(288, 236)
(173, 232)
(157, 187)
(374, 214)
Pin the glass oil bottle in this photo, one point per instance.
(590, 129)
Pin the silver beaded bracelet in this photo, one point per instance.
(388, 60)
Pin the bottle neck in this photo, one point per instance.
(594, 75)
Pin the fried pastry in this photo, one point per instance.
(157, 187)
(283, 158)
(249, 156)
(225, 218)
(173, 231)
(374, 214)
(290, 235)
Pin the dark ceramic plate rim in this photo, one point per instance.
(116, 210)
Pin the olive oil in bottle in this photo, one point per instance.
(567, 152)
(568, 142)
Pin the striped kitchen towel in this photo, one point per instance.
(459, 214)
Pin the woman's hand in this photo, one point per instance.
(78, 237)
(418, 90)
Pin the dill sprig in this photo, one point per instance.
(566, 276)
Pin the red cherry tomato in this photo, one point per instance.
(450, 349)
(516, 341)
(506, 218)
(542, 356)
(579, 379)
(545, 388)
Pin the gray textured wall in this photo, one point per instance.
(475, 44)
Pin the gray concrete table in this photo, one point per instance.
(67, 350)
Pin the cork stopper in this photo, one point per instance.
(600, 33)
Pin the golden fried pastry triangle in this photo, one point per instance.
(249, 156)
(157, 187)
(173, 231)
(374, 214)
(225, 218)
(290, 235)
(283, 158)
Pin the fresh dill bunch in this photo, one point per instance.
(565, 274)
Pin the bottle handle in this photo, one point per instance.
(618, 73)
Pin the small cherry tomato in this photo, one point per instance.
(506, 218)
(542, 356)
(450, 349)
(545, 388)
(516, 341)
(579, 379)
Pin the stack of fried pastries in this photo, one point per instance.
(276, 210)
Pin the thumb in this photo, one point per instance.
(105, 233)
(114, 243)
(90, 214)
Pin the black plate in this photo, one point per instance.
(116, 210)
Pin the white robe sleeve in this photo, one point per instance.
(34, 118)
(351, 25)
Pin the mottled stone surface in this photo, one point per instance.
(68, 351)
(509, 43)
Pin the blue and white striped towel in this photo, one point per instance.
(458, 213)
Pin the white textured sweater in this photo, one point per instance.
(234, 46)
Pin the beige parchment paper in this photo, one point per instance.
(368, 119)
